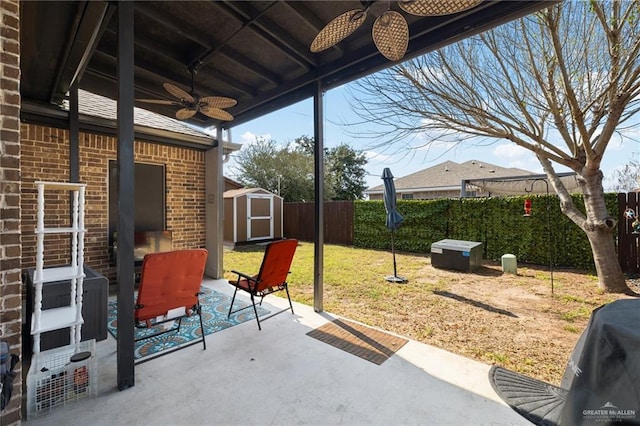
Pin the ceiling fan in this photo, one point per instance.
(390, 30)
(192, 103)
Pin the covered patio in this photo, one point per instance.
(256, 52)
(281, 376)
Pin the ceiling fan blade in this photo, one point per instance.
(218, 102)
(185, 113)
(436, 7)
(391, 35)
(158, 101)
(338, 29)
(216, 113)
(178, 92)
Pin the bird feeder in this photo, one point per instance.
(527, 207)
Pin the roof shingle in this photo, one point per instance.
(449, 174)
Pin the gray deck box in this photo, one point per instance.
(56, 294)
(460, 255)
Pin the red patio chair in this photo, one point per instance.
(271, 278)
(169, 289)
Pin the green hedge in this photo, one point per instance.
(499, 223)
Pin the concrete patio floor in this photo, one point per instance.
(281, 376)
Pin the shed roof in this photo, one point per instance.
(234, 193)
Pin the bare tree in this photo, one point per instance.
(558, 83)
(627, 178)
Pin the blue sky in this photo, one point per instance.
(289, 123)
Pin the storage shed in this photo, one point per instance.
(252, 214)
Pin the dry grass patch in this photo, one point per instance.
(496, 318)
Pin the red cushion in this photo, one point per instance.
(276, 263)
(168, 281)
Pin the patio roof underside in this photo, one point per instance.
(254, 51)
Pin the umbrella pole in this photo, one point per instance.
(395, 278)
(393, 251)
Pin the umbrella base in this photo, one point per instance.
(395, 279)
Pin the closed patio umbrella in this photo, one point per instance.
(394, 219)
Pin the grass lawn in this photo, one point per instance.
(496, 318)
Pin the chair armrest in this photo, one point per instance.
(240, 274)
(252, 282)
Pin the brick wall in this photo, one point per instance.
(44, 155)
(10, 252)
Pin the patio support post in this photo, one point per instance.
(74, 141)
(74, 134)
(214, 224)
(125, 159)
(318, 229)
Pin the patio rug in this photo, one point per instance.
(215, 307)
(357, 339)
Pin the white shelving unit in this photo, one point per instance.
(68, 373)
(66, 316)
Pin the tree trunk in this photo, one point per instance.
(610, 275)
(599, 227)
(597, 224)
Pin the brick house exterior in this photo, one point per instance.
(10, 250)
(44, 156)
(34, 151)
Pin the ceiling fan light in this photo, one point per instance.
(391, 35)
(338, 29)
(436, 7)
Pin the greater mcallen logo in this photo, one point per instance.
(609, 412)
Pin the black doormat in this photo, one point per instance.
(539, 402)
(357, 339)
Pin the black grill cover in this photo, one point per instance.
(603, 373)
(601, 384)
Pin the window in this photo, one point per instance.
(149, 196)
(407, 196)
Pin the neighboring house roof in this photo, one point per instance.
(232, 184)
(448, 175)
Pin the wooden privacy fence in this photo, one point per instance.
(628, 239)
(299, 218)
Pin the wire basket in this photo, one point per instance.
(60, 376)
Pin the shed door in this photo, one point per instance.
(259, 217)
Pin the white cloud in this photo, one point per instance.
(616, 144)
(438, 139)
(609, 181)
(250, 137)
(376, 156)
(510, 151)
(512, 155)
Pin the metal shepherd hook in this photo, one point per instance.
(549, 241)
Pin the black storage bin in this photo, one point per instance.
(57, 293)
(460, 255)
